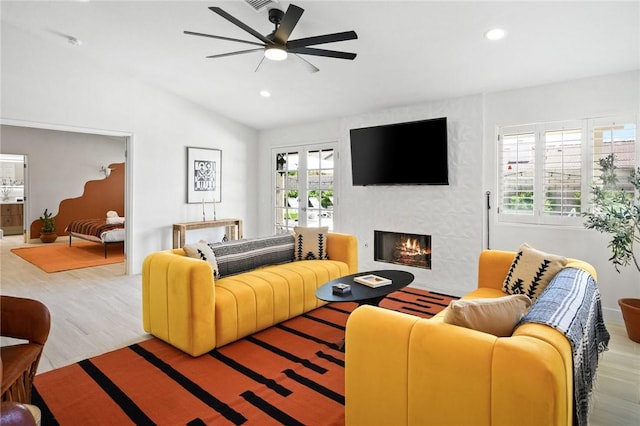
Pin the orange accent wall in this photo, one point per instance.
(98, 198)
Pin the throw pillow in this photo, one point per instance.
(238, 256)
(531, 271)
(201, 250)
(497, 316)
(311, 243)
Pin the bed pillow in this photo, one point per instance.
(201, 250)
(497, 316)
(531, 271)
(238, 256)
(311, 243)
(113, 218)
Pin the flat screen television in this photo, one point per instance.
(411, 153)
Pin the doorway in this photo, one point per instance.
(61, 160)
(12, 193)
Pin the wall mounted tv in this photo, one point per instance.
(412, 153)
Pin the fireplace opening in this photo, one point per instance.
(402, 249)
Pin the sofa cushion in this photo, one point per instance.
(497, 316)
(243, 255)
(531, 271)
(311, 243)
(201, 250)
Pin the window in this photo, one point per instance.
(546, 170)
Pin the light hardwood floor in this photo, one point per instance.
(96, 310)
(93, 310)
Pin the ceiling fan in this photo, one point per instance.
(277, 45)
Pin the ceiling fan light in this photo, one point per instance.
(275, 54)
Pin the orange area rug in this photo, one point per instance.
(289, 374)
(62, 257)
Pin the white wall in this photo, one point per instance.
(451, 214)
(51, 83)
(587, 98)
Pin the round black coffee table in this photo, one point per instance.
(362, 293)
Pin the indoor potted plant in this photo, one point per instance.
(48, 231)
(616, 211)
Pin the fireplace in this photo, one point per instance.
(402, 249)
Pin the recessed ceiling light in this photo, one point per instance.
(265, 93)
(495, 34)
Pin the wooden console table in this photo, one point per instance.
(233, 229)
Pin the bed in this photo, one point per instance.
(96, 230)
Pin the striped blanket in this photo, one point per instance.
(571, 304)
(93, 227)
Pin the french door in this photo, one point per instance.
(304, 182)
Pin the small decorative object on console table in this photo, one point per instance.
(372, 280)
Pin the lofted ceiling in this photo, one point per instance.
(408, 52)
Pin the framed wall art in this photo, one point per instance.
(204, 169)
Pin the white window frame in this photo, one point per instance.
(587, 127)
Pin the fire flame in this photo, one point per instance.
(412, 247)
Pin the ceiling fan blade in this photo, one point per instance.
(291, 18)
(323, 52)
(240, 24)
(240, 52)
(327, 38)
(309, 65)
(223, 38)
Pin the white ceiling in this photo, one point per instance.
(409, 52)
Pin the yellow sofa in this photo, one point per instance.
(182, 305)
(406, 370)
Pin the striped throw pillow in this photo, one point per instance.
(238, 256)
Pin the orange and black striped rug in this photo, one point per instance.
(291, 373)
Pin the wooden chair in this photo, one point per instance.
(28, 320)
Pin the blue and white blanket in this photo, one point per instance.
(571, 304)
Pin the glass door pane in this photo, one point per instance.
(287, 205)
(320, 188)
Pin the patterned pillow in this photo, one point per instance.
(244, 255)
(201, 250)
(311, 243)
(531, 271)
(497, 316)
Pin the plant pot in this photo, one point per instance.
(48, 237)
(630, 309)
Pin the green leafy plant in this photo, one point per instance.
(48, 222)
(616, 211)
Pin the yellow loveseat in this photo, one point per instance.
(405, 370)
(184, 306)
